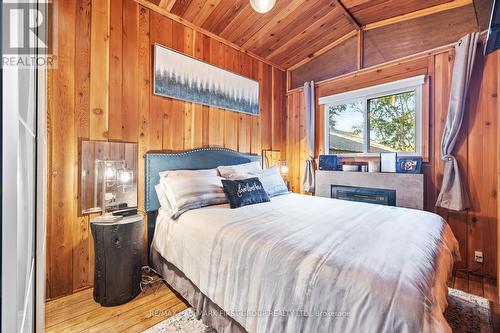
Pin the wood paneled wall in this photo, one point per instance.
(102, 90)
(475, 229)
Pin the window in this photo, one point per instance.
(384, 118)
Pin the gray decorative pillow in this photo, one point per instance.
(270, 178)
(272, 181)
(191, 192)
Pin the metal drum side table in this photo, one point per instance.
(118, 259)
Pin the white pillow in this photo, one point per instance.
(162, 197)
(192, 173)
(190, 192)
(234, 171)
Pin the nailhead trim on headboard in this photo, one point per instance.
(184, 153)
(159, 156)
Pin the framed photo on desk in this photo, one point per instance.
(388, 162)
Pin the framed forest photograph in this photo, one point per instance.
(185, 78)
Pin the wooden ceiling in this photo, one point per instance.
(294, 29)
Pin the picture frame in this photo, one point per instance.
(388, 162)
(182, 77)
(409, 165)
(271, 158)
(328, 162)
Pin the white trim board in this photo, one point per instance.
(374, 90)
(414, 83)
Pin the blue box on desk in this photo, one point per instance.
(409, 165)
(328, 162)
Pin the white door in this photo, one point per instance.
(19, 186)
(18, 200)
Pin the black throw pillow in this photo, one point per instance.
(244, 192)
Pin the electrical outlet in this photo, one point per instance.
(478, 256)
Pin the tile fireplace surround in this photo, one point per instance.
(409, 187)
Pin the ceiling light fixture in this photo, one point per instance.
(262, 6)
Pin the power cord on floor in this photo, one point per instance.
(149, 278)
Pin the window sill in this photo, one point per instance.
(375, 155)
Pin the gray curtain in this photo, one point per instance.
(453, 193)
(308, 183)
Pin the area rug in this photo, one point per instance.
(466, 313)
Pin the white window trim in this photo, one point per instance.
(391, 88)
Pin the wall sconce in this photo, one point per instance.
(283, 168)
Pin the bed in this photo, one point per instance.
(301, 263)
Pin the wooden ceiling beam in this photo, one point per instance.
(167, 4)
(348, 15)
(166, 13)
(361, 49)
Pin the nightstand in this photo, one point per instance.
(118, 250)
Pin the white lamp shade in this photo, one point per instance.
(126, 176)
(262, 6)
(284, 168)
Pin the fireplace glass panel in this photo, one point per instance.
(364, 194)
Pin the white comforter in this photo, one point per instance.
(310, 264)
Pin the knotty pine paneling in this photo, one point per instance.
(482, 166)
(62, 223)
(102, 89)
(81, 253)
(475, 151)
(293, 29)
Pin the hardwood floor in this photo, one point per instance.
(79, 313)
(475, 284)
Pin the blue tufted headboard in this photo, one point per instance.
(203, 158)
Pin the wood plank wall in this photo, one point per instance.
(102, 90)
(475, 229)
